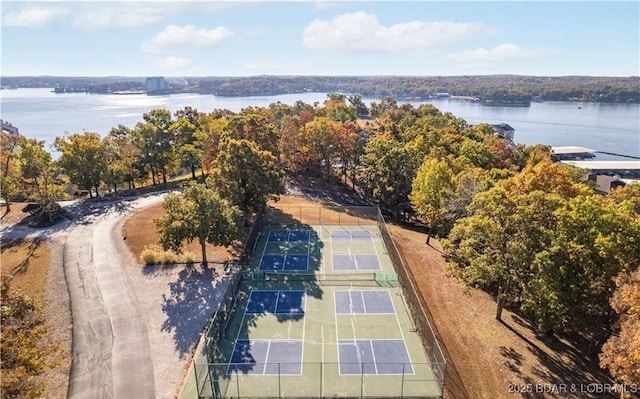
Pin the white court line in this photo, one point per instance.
(266, 358)
(373, 354)
(264, 249)
(377, 255)
(304, 326)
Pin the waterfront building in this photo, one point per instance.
(157, 85)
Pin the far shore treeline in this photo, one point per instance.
(502, 89)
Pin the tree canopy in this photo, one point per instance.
(198, 213)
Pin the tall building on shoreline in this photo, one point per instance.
(157, 85)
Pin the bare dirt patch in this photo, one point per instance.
(26, 262)
(15, 215)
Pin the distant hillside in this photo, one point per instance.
(493, 88)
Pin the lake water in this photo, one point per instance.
(41, 114)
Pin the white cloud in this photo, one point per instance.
(361, 32)
(120, 16)
(34, 17)
(90, 15)
(173, 63)
(189, 36)
(491, 58)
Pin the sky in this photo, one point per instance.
(338, 38)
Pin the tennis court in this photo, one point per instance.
(320, 313)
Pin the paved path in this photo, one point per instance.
(111, 357)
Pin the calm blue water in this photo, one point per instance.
(44, 115)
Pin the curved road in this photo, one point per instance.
(111, 355)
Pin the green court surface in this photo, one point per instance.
(319, 314)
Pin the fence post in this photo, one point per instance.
(361, 379)
(402, 383)
(321, 380)
(279, 387)
(237, 384)
(195, 373)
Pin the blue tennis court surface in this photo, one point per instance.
(289, 236)
(266, 356)
(348, 302)
(351, 236)
(374, 356)
(278, 302)
(284, 262)
(356, 262)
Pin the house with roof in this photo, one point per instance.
(504, 131)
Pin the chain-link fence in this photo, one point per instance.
(316, 216)
(413, 300)
(212, 379)
(318, 380)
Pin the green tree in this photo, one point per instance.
(40, 174)
(496, 245)
(155, 140)
(245, 174)
(388, 169)
(122, 156)
(188, 150)
(198, 213)
(431, 188)
(9, 169)
(83, 159)
(356, 101)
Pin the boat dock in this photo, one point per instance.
(607, 174)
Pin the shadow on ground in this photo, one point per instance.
(192, 298)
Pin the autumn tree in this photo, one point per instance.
(211, 127)
(26, 350)
(621, 353)
(253, 124)
(430, 189)
(593, 241)
(82, 159)
(321, 142)
(246, 175)
(349, 147)
(198, 213)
